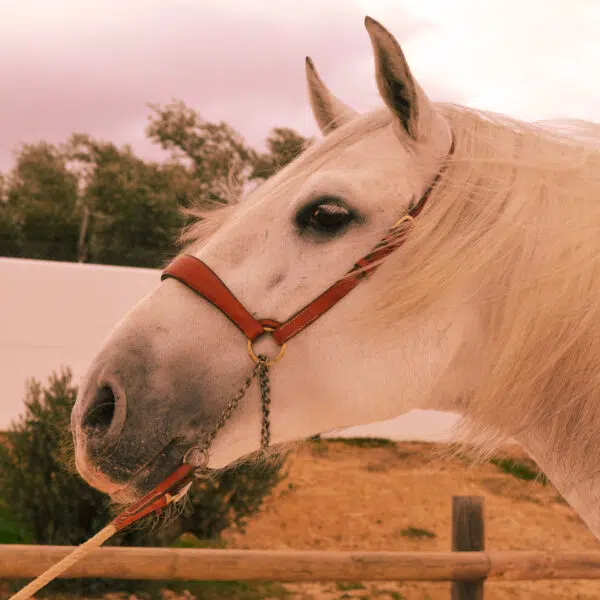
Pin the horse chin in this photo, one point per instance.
(142, 480)
(96, 478)
(142, 483)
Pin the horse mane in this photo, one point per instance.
(515, 218)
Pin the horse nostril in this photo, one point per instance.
(101, 412)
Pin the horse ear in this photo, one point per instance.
(398, 88)
(329, 111)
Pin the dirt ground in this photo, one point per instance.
(341, 497)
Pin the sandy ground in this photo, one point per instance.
(337, 496)
(340, 497)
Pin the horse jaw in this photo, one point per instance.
(408, 365)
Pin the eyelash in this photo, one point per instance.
(307, 222)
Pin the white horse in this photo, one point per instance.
(490, 308)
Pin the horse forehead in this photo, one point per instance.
(377, 159)
(373, 166)
(378, 151)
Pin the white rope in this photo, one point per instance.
(62, 565)
(94, 542)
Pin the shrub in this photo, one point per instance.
(41, 489)
(46, 501)
(231, 497)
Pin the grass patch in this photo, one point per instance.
(520, 470)
(345, 586)
(238, 590)
(363, 442)
(417, 533)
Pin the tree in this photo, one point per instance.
(91, 201)
(9, 230)
(132, 205)
(284, 145)
(40, 215)
(214, 154)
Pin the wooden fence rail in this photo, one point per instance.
(273, 565)
(463, 565)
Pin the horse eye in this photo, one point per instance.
(325, 215)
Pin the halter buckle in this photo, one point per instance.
(403, 219)
(270, 361)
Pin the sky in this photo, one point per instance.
(71, 66)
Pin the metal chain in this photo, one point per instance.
(261, 369)
(265, 396)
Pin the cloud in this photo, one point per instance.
(76, 66)
(535, 59)
(93, 66)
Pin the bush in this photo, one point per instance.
(41, 489)
(46, 502)
(231, 498)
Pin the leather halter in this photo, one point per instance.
(197, 276)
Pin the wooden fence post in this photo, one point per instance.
(467, 536)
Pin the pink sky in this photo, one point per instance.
(69, 65)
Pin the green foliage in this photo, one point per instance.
(520, 470)
(345, 586)
(232, 496)
(417, 533)
(9, 229)
(44, 501)
(41, 216)
(365, 442)
(47, 503)
(284, 145)
(234, 590)
(215, 155)
(10, 531)
(91, 201)
(38, 483)
(133, 204)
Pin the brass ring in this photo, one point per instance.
(203, 452)
(268, 362)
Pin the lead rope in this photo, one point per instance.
(179, 482)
